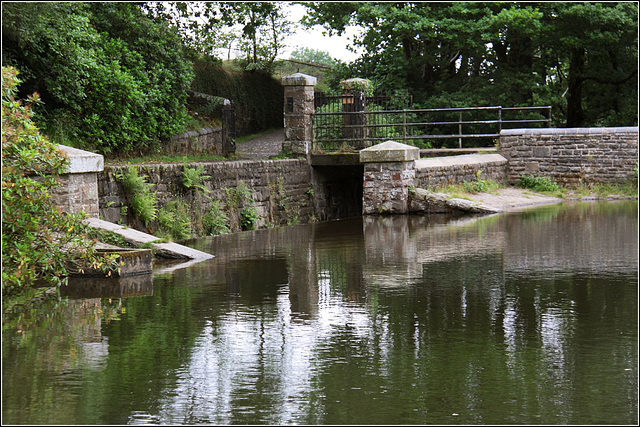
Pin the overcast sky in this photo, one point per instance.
(313, 38)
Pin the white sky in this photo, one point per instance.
(313, 38)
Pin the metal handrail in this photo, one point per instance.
(406, 125)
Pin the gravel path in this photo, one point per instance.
(262, 146)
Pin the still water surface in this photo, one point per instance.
(527, 317)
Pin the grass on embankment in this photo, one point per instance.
(165, 158)
(544, 186)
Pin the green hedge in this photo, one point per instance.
(258, 96)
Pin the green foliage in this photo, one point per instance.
(538, 183)
(314, 56)
(111, 78)
(215, 220)
(194, 178)
(258, 29)
(174, 221)
(38, 242)
(579, 57)
(258, 97)
(480, 185)
(141, 198)
(248, 218)
(240, 205)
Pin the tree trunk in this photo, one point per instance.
(575, 113)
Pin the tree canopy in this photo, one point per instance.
(581, 58)
(111, 78)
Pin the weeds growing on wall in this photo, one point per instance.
(480, 185)
(215, 221)
(194, 178)
(141, 198)
(240, 206)
(538, 183)
(174, 221)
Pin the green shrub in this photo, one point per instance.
(111, 78)
(257, 96)
(480, 185)
(538, 183)
(38, 243)
(240, 205)
(248, 218)
(194, 178)
(141, 199)
(215, 221)
(174, 221)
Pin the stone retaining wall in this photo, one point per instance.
(573, 155)
(438, 172)
(204, 141)
(281, 189)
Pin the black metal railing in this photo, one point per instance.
(349, 123)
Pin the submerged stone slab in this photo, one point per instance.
(138, 238)
(424, 201)
(389, 151)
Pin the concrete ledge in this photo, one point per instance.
(389, 151)
(465, 159)
(570, 131)
(81, 161)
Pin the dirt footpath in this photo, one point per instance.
(261, 147)
(513, 199)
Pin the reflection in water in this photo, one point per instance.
(517, 318)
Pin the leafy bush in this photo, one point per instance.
(141, 199)
(174, 220)
(538, 183)
(480, 185)
(241, 207)
(37, 241)
(215, 220)
(112, 79)
(257, 96)
(194, 178)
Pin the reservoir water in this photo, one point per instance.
(519, 318)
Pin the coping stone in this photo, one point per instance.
(465, 159)
(299, 79)
(389, 151)
(81, 161)
(569, 131)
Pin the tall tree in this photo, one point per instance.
(581, 58)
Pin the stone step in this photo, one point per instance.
(138, 238)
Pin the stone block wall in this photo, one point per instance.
(77, 192)
(438, 172)
(281, 189)
(386, 187)
(573, 155)
(204, 141)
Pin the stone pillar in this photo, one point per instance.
(228, 128)
(354, 100)
(298, 113)
(78, 189)
(389, 171)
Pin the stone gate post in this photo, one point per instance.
(298, 113)
(389, 171)
(78, 189)
(354, 100)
